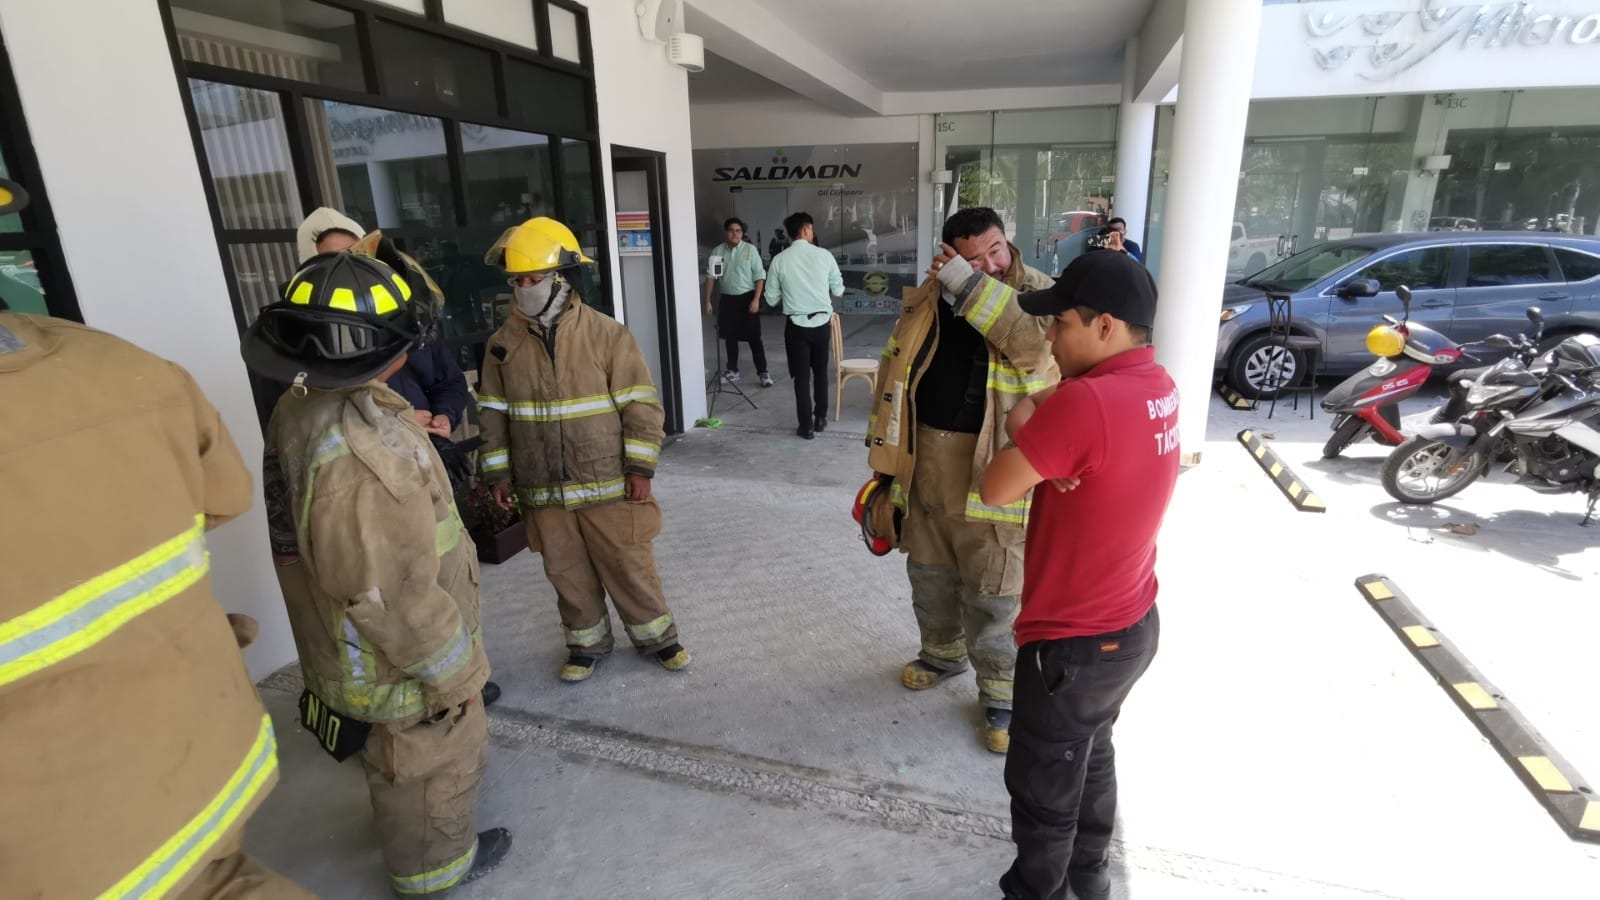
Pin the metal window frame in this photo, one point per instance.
(39, 238)
(292, 95)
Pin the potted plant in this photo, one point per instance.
(499, 533)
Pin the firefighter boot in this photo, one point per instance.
(673, 657)
(493, 846)
(997, 729)
(919, 676)
(578, 667)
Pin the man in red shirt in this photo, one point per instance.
(1100, 455)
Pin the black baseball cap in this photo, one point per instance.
(1103, 280)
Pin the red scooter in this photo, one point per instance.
(1368, 402)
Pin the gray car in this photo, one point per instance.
(1466, 285)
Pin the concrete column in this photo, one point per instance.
(1214, 83)
(1136, 138)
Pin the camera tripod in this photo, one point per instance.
(716, 384)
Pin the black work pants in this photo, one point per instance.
(808, 366)
(737, 323)
(1061, 769)
(757, 350)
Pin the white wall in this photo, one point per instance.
(138, 239)
(797, 121)
(644, 103)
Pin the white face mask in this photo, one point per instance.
(543, 301)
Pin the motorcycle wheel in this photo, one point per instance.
(1349, 431)
(1422, 471)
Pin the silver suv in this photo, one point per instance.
(1466, 285)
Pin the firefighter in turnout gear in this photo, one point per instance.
(573, 429)
(379, 577)
(135, 746)
(949, 377)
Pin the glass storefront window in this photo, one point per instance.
(11, 223)
(247, 153)
(508, 175)
(298, 39)
(415, 65)
(20, 287)
(384, 169)
(1050, 174)
(589, 282)
(262, 270)
(578, 175)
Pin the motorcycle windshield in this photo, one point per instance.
(1426, 339)
(1509, 371)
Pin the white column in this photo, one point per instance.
(1136, 134)
(1214, 83)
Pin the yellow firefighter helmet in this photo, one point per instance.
(537, 245)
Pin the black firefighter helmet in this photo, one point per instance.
(344, 319)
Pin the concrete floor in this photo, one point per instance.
(1283, 744)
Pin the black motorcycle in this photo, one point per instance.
(1548, 412)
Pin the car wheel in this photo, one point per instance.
(1259, 369)
(1256, 264)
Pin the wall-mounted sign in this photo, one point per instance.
(1449, 47)
(1384, 44)
(862, 199)
(633, 234)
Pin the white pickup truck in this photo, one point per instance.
(1248, 255)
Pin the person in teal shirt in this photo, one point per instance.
(739, 315)
(805, 280)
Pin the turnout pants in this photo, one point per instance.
(966, 577)
(423, 779)
(1061, 770)
(599, 550)
(808, 350)
(236, 876)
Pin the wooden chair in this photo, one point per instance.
(846, 369)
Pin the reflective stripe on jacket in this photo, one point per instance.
(568, 413)
(134, 745)
(380, 581)
(1019, 364)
